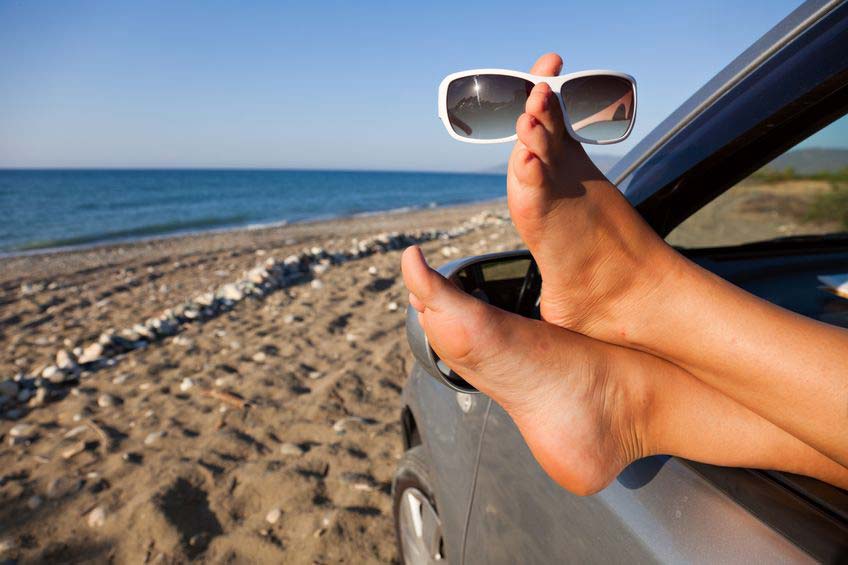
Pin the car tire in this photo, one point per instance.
(418, 528)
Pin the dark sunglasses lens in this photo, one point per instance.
(599, 108)
(486, 106)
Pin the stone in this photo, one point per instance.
(74, 432)
(392, 307)
(25, 395)
(316, 284)
(259, 357)
(291, 449)
(340, 427)
(91, 353)
(350, 337)
(66, 361)
(153, 437)
(315, 375)
(97, 517)
(42, 395)
(288, 319)
(186, 384)
(73, 450)
(273, 516)
(7, 545)
(107, 401)
(34, 502)
(8, 388)
(50, 372)
(24, 431)
(230, 292)
(372, 270)
(121, 379)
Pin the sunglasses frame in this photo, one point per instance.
(556, 86)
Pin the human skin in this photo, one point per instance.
(587, 408)
(616, 280)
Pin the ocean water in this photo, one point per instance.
(58, 208)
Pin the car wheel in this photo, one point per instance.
(417, 524)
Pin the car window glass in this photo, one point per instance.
(802, 192)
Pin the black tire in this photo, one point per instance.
(413, 471)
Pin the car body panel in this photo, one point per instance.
(659, 510)
(450, 434)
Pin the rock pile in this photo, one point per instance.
(24, 392)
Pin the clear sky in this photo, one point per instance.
(320, 84)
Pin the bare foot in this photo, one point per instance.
(600, 262)
(582, 422)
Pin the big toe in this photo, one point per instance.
(465, 332)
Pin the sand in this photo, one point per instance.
(159, 469)
(267, 433)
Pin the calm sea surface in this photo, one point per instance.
(58, 208)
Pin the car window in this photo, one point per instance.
(802, 192)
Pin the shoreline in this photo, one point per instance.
(104, 243)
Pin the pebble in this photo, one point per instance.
(288, 319)
(340, 426)
(65, 360)
(50, 372)
(291, 449)
(25, 395)
(8, 388)
(392, 307)
(273, 516)
(259, 357)
(91, 353)
(74, 432)
(23, 431)
(230, 292)
(316, 284)
(40, 398)
(121, 379)
(186, 384)
(34, 502)
(73, 450)
(106, 401)
(153, 437)
(372, 270)
(351, 337)
(7, 545)
(97, 517)
(315, 375)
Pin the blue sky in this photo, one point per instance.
(320, 84)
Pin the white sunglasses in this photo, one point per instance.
(482, 105)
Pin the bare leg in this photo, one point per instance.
(587, 408)
(609, 276)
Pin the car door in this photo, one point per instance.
(789, 85)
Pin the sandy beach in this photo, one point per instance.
(265, 433)
(231, 396)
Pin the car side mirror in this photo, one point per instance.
(507, 280)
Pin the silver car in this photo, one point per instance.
(468, 490)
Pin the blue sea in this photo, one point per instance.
(59, 208)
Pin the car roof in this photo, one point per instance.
(659, 143)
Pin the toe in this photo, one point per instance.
(534, 137)
(543, 105)
(549, 64)
(429, 289)
(527, 168)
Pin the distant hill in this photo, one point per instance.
(603, 161)
(810, 161)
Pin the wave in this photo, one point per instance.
(135, 233)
